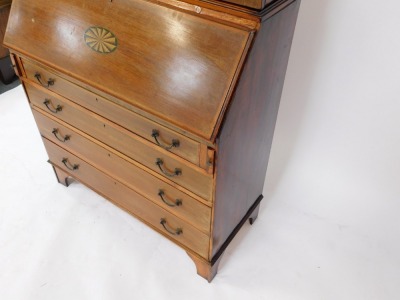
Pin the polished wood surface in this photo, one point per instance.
(125, 197)
(125, 170)
(15, 64)
(257, 4)
(242, 157)
(232, 17)
(192, 177)
(182, 66)
(102, 76)
(188, 148)
(76, 85)
(4, 14)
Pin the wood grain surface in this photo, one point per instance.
(128, 199)
(171, 64)
(125, 170)
(242, 157)
(113, 135)
(187, 149)
(209, 73)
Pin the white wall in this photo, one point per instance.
(336, 150)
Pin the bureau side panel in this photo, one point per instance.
(244, 142)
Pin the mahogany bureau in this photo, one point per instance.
(167, 108)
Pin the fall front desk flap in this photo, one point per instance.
(168, 63)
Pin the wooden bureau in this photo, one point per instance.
(6, 71)
(166, 108)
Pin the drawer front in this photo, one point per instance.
(110, 162)
(161, 161)
(151, 131)
(128, 199)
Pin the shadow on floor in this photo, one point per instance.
(6, 87)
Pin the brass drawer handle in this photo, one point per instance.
(178, 202)
(47, 102)
(55, 132)
(160, 162)
(39, 79)
(175, 143)
(69, 166)
(177, 231)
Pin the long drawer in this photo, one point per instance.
(151, 131)
(158, 218)
(159, 160)
(125, 171)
